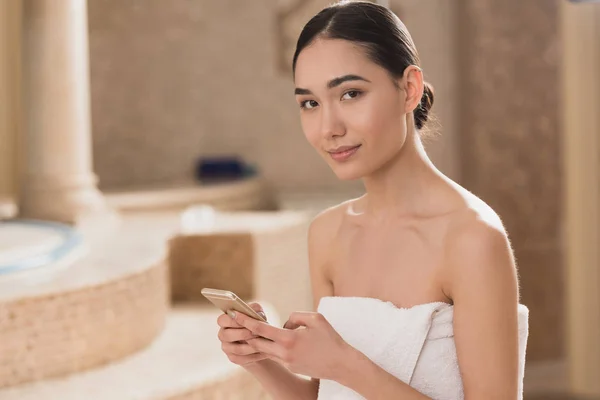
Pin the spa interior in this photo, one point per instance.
(151, 148)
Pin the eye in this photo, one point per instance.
(308, 104)
(351, 94)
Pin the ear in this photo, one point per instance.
(412, 82)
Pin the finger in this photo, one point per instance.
(261, 328)
(291, 325)
(267, 347)
(259, 310)
(225, 321)
(242, 349)
(300, 318)
(235, 334)
(245, 360)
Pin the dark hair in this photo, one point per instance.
(378, 31)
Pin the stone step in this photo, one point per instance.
(253, 254)
(104, 306)
(184, 362)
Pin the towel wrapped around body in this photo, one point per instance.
(415, 344)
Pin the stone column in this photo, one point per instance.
(10, 27)
(580, 25)
(58, 182)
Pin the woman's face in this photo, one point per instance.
(350, 109)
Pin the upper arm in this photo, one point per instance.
(484, 288)
(320, 235)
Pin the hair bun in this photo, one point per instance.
(422, 111)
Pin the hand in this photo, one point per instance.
(233, 338)
(307, 344)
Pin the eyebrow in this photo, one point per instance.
(334, 83)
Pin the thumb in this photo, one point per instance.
(301, 319)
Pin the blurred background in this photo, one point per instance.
(149, 148)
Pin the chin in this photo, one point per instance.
(348, 172)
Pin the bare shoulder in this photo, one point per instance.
(483, 286)
(322, 232)
(321, 236)
(478, 248)
(477, 229)
(326, 224)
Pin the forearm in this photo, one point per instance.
(374, 383)
(281, 383)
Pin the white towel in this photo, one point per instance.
(415, 344)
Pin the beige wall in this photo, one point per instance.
(10, 12)
(511, 145)
(580, 112)
(432, 24)
(175, 80)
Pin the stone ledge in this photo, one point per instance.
(58, 334)
(257, 254)
(185, 362)
(131, 245)
(244, 194)
(105, 306)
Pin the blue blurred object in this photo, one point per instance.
(216, 169)
(44, 243)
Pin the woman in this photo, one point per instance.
(414, 283)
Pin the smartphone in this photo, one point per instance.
(226, 300)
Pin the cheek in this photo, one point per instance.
(377, 122)
(384, 130)
(310, 131)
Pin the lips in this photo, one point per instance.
(343, 153)
(342, 149)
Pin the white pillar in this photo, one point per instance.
(580, 25)
(58, 182)
(10, 28)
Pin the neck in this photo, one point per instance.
(405, 186)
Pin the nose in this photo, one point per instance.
(332, 124)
